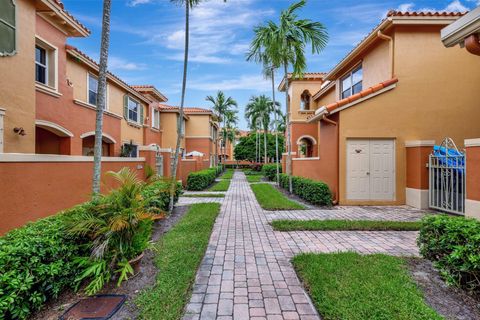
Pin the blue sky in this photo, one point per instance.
(147, 40)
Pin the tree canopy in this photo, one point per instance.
(245, 148)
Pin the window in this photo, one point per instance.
(352, 82)
(305, 100)
(41, 65)
(8, 41)
(133, 110)
(129, 150)
(155, 119)
(92, 91)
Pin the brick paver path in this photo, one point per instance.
(246, 272)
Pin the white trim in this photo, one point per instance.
(303, 159)
(306, 136)
(417, 198)
(88, 91)
(47, 46)
(199, 137)
(472, 142)
(139, 105)
(89, 106)
(153, 118)
(456, 32)
(419, 143)
(47, 89)
(291, 153)
(30, 157)
(54, 126)
(92, 133)
(374, 94)
(153, 147)
(472, 208)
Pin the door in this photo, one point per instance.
(370, 169)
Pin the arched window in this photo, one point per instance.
(305, 100)
(8, 26)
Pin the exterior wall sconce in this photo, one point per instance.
(20, 131)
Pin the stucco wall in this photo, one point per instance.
(169, 133)
(17, 83)
(297, 87)
(305, 129)
(203, 145)
(198, 126)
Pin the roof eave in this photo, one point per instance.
(75, 25)
(456, 32)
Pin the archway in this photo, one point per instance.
(305, 146)
(305, 100)
(51, 138)
(88, 144)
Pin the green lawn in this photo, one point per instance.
(350, 286)
(295, 225)
(254, 178)
(178, 256)
(228, 175)
(272, 199)
(204, 195)
(222, 185)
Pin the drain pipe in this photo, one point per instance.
(390, 40)
(472, 44)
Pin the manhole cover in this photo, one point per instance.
(95, 308)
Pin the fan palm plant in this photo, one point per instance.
(222, 105)
(284, 44)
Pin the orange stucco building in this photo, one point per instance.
(384, 98)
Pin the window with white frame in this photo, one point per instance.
(45, 64)
(41, 65)
(92, 91)
(155, 118)
(352, 82)
(8, 28)
(133, 110)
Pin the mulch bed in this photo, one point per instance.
(450, 302)
(130, 288)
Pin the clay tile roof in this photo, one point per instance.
(186, 110)
(396, 13)
(143, 86)
(340, 103)
(62, 7)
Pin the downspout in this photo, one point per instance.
(324, 118)
(472, 44)
(391, 44)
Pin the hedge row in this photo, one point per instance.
(315, 192)
(270, 171)
(201, 180)
(38, 260)
(453, 244)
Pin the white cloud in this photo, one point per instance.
(117, 63)
(456, 6)
(244, 82)
(405, 7)
(134, 3)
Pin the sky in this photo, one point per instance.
(147, 40)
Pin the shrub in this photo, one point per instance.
(200, 180)
(36, 264)
(270, 171)
(453, 244)
(157, 194)
(315, 192)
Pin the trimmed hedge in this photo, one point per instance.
(201, 180)
(453, 244)
(38, 260)
(270, 171)
(315, 192)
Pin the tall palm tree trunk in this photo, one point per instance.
(101, 98)
(276, 127)
(265, 160)
(289, 142)
(180, 116)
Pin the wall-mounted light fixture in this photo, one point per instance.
(20, 131)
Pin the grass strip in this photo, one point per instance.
(254, 178)
(272, 199)
(350, 286)
(178, 256)
(204, 195)
(328, 225)
(222, 185)
(228, 175)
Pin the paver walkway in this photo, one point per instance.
(246, 272)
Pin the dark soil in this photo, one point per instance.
(131, 288)
(450, 302)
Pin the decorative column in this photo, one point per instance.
(418, 152)
(472, 177)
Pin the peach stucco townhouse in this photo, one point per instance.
(398, 88)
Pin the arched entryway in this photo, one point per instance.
(51, 138)
(88, 144)
(306, 146)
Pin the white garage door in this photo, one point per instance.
(370, 169)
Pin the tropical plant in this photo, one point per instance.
(223, 107)
(283, 44)
(258, 113)
(189, 4)
(246, 147)
(102, 95)
(113, 226)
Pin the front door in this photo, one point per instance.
(370, 169)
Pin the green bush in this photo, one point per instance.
(453, 244)
(315, 192)
(201, 180)
(270, 171)
(157, 194)
(36, 264)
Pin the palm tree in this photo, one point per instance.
(231, 120)
(188, 5)
(284, 45)
(101, 98)
(259, 110)
(222, 105)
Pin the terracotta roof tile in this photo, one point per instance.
(396, 13)
(186, 110)
(340, 103)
